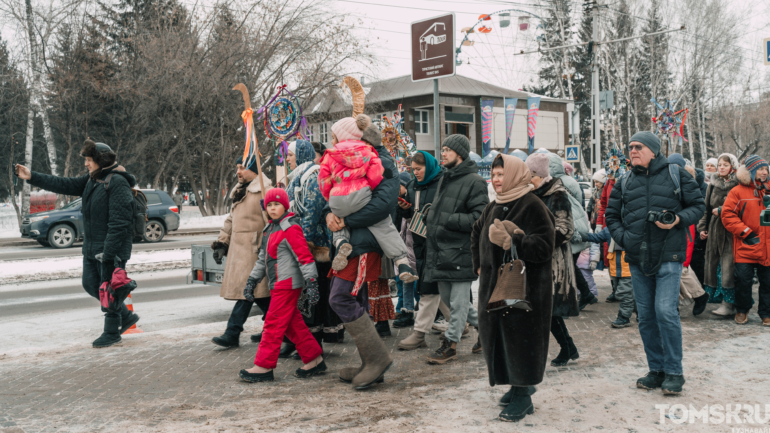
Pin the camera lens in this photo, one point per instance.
(667, 217)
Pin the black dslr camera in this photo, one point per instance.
(665, 217)
(764, 217)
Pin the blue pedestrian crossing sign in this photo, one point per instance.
(766, 44)
(573, 154)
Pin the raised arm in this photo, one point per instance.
(60, 185)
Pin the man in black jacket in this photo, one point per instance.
(107, 225)
(460, 200)
(655, 251)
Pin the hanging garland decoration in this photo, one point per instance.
(396, 140)
(615, 164)
(282, 119)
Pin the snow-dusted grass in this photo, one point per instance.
(16, 271)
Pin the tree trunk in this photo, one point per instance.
(28, 159)
(198, 198)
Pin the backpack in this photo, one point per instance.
(138, 207)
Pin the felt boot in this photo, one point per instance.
(111, 333)
(374, 355)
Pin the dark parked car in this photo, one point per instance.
(63, 227)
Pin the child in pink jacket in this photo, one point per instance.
(349, 173)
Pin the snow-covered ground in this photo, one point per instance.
(16, 271)
(9, 225)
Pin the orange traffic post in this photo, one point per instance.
(130, 305)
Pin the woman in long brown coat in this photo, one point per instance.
(515, 341)
(719, 242)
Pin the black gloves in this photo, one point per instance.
(219, 253)
(308, 298)
(248, 292)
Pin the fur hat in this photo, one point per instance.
(460, 144)
(568, 168)
(279, 195)
(350, 128)
(102, 154)
(600, 176)
(538, 165)
(372, 135)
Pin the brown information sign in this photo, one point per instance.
(433, 48)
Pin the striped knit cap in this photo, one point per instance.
(754, 163)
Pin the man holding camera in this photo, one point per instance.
(648, 214)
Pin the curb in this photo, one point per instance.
(20, 242)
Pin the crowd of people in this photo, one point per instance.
(317, 252)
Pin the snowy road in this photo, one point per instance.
(55, 314)
(36, 251)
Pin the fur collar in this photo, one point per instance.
(744, 176)
(254, 186)
(718, 182)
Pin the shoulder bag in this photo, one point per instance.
(417, 224)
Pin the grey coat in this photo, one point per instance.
(719, 243)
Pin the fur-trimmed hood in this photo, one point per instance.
(744, 176)
(101, 153)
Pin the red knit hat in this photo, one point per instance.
(279, 195)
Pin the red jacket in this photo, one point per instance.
(603, 208)
(740, 216)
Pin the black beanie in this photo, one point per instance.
(460, 144)
(648, 139)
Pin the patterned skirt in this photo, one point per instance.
(381, 306)
(719, 293)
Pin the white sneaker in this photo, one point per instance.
(726, 309)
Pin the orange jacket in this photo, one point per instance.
(740, 216)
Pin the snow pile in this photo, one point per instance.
(16, 271)
(194, 220)
(9, 225)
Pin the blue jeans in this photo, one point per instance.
(407, 298)
(657, 299)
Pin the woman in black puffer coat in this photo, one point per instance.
(107, 225)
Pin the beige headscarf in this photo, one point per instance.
(516, 179)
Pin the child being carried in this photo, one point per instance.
(349, 173)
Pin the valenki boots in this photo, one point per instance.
(725, 310)
(111, 333)
(374, 355)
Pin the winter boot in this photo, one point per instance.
(700, 304)
(406, 274)
(520, 404)
(374, 355)
(621, 322)
(477, 347)
(725, 310)
(586, 300)
(406, 320)
(444, 354)
(383, 328)
(111, 335)
(340, 261)
(287, 349)
(414, 341)
(672, 385)
(227, 341)
(652, 380)
(256, 338)
(128, 321)
(611, 298)
(507, 396)
(568, 350)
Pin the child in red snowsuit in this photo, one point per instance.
(285, 259)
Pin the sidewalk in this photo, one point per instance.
(178, 381)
